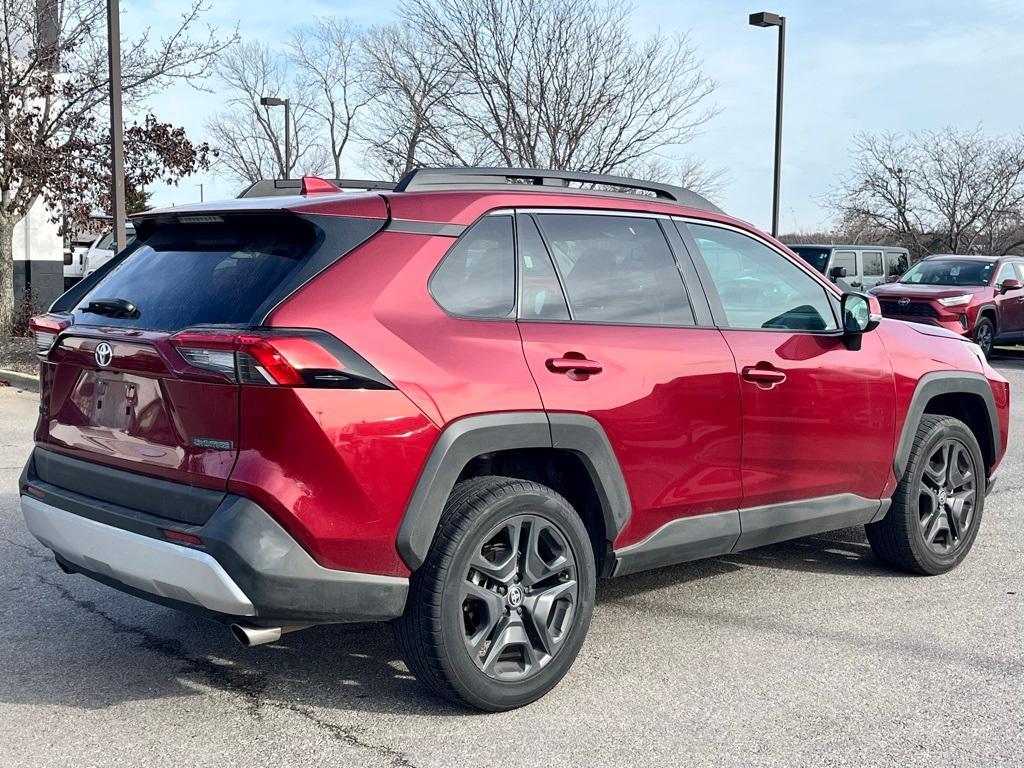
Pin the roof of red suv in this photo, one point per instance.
(460, 196)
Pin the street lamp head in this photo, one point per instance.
(272, 101)
(765, 19)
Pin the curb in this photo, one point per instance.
(20, 380)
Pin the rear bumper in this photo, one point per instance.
(248, 566)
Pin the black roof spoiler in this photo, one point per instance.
(284, 187)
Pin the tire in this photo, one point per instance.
(928, 529)
(489, 624)
(984, 335)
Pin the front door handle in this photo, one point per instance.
(764, 375)
(574, 365)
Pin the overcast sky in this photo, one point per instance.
(873, 65)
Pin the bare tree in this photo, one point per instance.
(250, 137)
(688, 173)
(328, 57)
(952, 191)
(561, 83)
(412, 81)
(53, 94)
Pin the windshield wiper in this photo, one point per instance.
(112, 308)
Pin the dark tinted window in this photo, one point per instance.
(540, 295)
(759, 287)
(202, 274)
(872, 261)
(477, 277)
(816, 257)
(898, 263)
(617, 269)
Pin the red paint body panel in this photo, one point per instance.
(376, 301)
(668, 401)
(335, 467)
(797, 434)
(136, 414)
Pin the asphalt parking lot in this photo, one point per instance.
(806, 653)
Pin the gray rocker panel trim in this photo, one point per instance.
(720, 533)
(473, 436)
(773, 523)
(680, 541)
(943, 383)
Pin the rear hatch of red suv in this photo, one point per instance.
(142, 363)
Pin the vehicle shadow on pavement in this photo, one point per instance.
(85, 646)
(844, 552)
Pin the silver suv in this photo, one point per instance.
(855, 267)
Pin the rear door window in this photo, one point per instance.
(209, 273)
(872, 261)
(617, 269)
(540, 295)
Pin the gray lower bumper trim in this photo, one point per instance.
(150, 565)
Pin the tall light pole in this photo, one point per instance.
(117, 193)
(765, 19)
(273, 101)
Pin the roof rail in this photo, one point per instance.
(282, 187)
(427, 179)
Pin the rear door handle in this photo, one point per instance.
(764, 375)
(578, 365)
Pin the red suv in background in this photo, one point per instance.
(980, 297)
(458, 403)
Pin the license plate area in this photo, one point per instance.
(114, 401)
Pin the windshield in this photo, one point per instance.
(816, 257)
(950, 272)
(106, 242)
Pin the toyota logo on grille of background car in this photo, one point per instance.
(104, 354)
(903, 301)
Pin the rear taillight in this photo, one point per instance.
(45, 330)
(284, 358)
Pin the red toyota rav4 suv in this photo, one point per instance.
(456, 404)
(980, 297)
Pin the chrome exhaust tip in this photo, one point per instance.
(250, 635)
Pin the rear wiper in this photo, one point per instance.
(112, 308)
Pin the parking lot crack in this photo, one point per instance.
(249, 686)
(348, 735)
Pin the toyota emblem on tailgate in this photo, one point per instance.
(104, 354)
(902, 302)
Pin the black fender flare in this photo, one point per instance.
(467, 438)
(943, 383)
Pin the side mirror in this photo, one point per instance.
(893, 279)
(1010, 284)
(836, 272)
(69, 257)
(861, 314)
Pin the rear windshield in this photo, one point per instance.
(816, 257)
(184, 274)
(950, 272)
